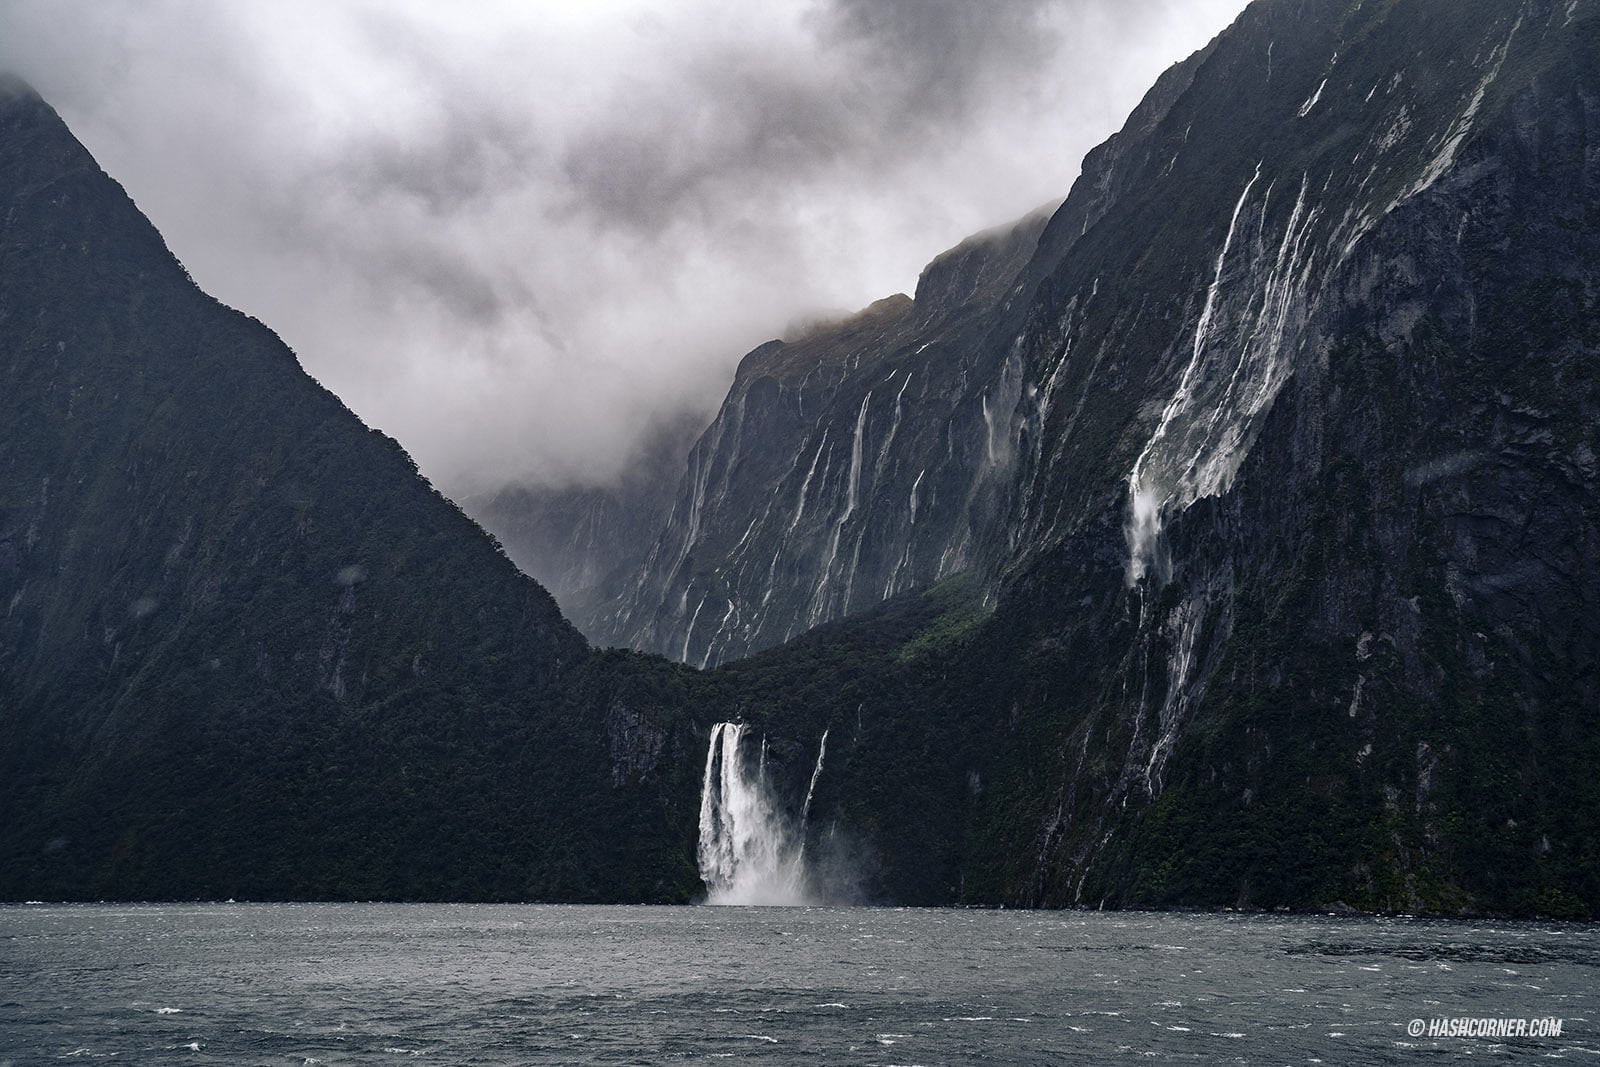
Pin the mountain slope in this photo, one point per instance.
(1295, 601)
(246, 649)
(869, 457)
(1354, 535)
(846, 465)
(1270, 462)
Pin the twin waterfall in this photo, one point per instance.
(750, 851)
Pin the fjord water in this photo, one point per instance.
(510, 984)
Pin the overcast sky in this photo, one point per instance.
(516, 235)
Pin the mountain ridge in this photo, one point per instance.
(800, 422)
(1303, 518)
(218, 585)
(1235, 546)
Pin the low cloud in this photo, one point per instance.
(516, 237)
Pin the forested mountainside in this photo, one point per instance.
(246, 649)
(1262, 573)
(1296, 604)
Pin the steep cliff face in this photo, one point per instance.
(863, 459)
(868, 458)
(244, 648)
(1350, 497)
(1233, 538)
(1296, 595)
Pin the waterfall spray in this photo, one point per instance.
(748, 851)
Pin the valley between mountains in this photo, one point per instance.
(1225, 535)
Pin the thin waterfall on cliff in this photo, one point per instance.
(811, 790)
(749, 852)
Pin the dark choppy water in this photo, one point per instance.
(375, 983)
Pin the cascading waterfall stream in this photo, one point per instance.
(1242, 355)
(811, 790)
(1146, 497)
(749, 853)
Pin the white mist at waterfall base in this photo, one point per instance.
(750, 851)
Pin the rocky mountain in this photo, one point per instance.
(1228, 538)
(1350, 498)
(873, 456)
(864, 458)
(1294, 604)
(246, 650)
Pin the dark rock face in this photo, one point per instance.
(1230, 539)
(859, 460)
(869, 457)
(1361, 601)
(245, 650)
(1296, 586)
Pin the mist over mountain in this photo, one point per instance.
(520, 238)
(581, 541)
(1227, 536)
(858, 460)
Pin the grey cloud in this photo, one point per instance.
(518, 238)
(934, 57)
(896, 73)
(655, 157)
(476, 143)
(466, 161)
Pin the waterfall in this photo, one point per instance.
(1244, 350)
(1147, 497)
(811, 790)
(749, 852)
